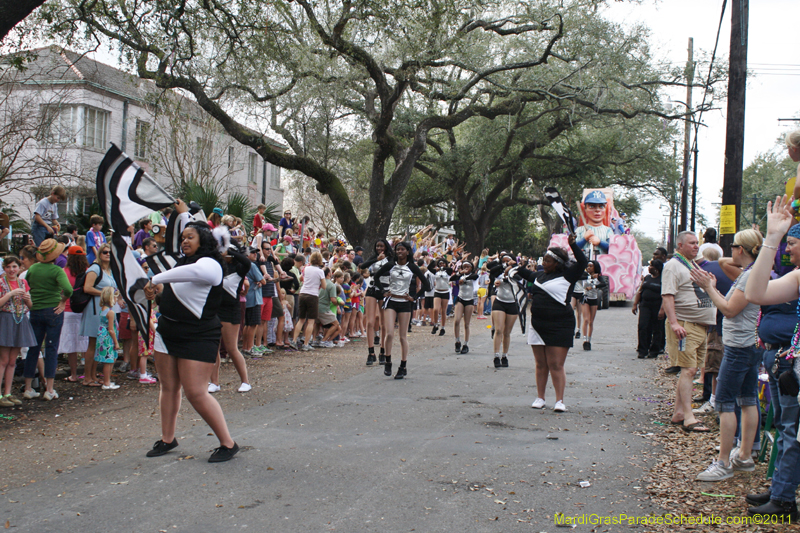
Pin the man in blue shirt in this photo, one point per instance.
(253, 302)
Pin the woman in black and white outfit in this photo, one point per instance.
(505, 308)
(400, 301)
(237, 265)
(188, 334)
(550, 332)
(374, 298)
(441, 294)
(465, 303)
(592, 285)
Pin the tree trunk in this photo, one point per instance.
(12, 13)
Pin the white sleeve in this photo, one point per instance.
(205, 271)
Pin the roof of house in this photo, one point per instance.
(53, 65)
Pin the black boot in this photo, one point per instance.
(370, 356)
(465, 349)
(441, 332)
(578, 334)
(382, 357)
(435, 329)
(497, 362)
(784, 511)
(401, 371)
(504, 362)
(458, 346)
(387, 366)
(758, 499)
(587, 345)
(377, 340)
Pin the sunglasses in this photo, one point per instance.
(736, 245)
(105, 252)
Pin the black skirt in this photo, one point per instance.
(197, 340)
(555, 326)
(230, 313)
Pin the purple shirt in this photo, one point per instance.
(61, 261)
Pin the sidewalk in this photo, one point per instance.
(455, 446)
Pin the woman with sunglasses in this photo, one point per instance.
(400, 301)
(98, 277)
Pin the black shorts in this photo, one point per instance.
(277, 307)
(373, 292)
(252, 316)
(308, 307)
(465, 303)
(429, 302)
(400, 307)
(507, 308)
(590, 301)
(230, 314)
(442, 295)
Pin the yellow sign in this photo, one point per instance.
(727, 220)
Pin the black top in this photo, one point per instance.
(552, 293)
(235, 272)
(290, 285)
(651, 290)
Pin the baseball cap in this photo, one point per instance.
(595, 197)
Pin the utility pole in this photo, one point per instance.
(687, 123)
(734, 131)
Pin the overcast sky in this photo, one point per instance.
(773, 92)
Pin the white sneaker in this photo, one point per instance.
(113, 386)
(559, 407)
(50, 396)
(740, 465)
(538, 403)
(326, 344)
(244, 387)
(213, 388)
(704, 409)
(30, 394)
(716, 472)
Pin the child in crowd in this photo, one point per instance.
(356, 294)
(107, 343)
(483, 290)
(347, 308)
(15, 326)
(94, 238)
(288, 324)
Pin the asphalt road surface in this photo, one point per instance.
(454, 447)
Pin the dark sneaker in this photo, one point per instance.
(587, 345)
(387, 369)
(370, 359)
(441, 332)
(504, 362)
(377, 340)
(673, 370)
(465, 349)
(434, 330)
(401, 373)
(458, 346)
(641, 356)
(161, 448)
(578, 334)
(222, 454)
(382, 359)
(497, 362)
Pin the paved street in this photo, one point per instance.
(454, 447)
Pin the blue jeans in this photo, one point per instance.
(737, 381)
(46, 326)
(39, 233)
(785, 410)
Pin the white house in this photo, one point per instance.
(60, 110)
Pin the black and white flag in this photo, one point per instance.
(127, 194)
(554, 197)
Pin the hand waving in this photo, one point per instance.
(779, 216)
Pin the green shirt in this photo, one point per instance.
(327, 296)
(47, 283)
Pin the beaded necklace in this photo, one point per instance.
(683, 260)
(794, 349)
(17, 303)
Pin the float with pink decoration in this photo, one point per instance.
(615, 249)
